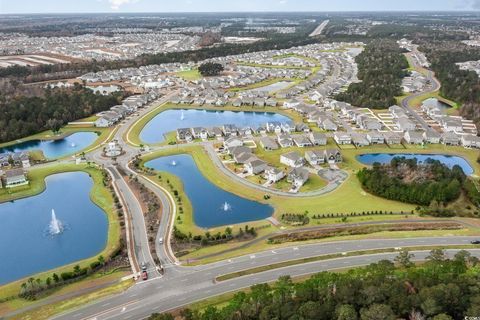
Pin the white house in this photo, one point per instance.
(292, 159)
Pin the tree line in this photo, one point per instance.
(427, 182)
(21, 116)
(440, 289)
(381, 67)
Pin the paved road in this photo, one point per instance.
(197, 283)
(435, 85)
(318, 30)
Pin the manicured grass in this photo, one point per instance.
(248, 64)
(190, 75)
(99, 194)
(133, 135)
(48, 311)
(259, 84)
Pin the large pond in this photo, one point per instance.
(384, 158)
(26, 247)
(171, 120)
(212, 206)
(53, 149)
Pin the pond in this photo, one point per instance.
(26, 248)
(53, 149)
(171, 120)
(448, 160)
(436, 103)
(212, 206)
(274, 87)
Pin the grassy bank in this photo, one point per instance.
(99, 194)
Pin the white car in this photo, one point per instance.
(160, 240)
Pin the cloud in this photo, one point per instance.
(476, 4)
(116, 4)
(283, 1)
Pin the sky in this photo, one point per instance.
(91, 6)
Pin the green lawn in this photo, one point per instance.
(190, 75)
(100, 195)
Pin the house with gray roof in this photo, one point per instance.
(342, 137)
(273, 174)
(450, 138)
(255, 166)
(360, 140)
(431, 136)
(268, 143)
(301, 141)
(15, 178)
(392, 137)
(318, 138)
(298, 177)
(315, 157)
(292, 159)
(414, 137)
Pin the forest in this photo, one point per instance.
(408, 181)
(21, 116)
(381, 68)
(439, 289)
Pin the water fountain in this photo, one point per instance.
(173, 163)
(226, 206)
(55, 227)
(73, 145)
(182, 116)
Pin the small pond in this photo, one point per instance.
(53, 149)
(212, 206)
(27, 248)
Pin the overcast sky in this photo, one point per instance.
(88, 6)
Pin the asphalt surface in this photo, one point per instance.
(198, 283)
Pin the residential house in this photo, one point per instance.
(342, 138)
(285, 140)
(302, 141)
(298, 177)
(268, 143)
(273, 174)
(232, 142)
(360, 140)
(4, 160)
(470, 141)
(241, 154)
(318, 138)
(184, 134)
(333, 156)
(292, 159)
(431, 136)
(375, 137)
(405, 124)
(21, 159)
(450, 138)
(414, 137)
(315, 157)
(15, 178)
(255, 166)
(392, 137)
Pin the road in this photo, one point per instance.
(318, 31)
(197, 283)
(331, 186)
(435, 86)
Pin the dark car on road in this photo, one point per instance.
(144, 275)
(475, 242)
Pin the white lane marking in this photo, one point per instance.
(274, 252)
(252, 256)
(134, 295)
(123, 309)
(295, 248)
(106, 304)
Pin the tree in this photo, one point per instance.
(208, 69)
(54, 125)
(442, 316)
(404, 259)
(55, 277)
(101, 260)
(436, 255)
(377, 312)
(346, 312)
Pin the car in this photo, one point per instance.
(144, 266)
(160, 240)
(475, 242)
(144, 275)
